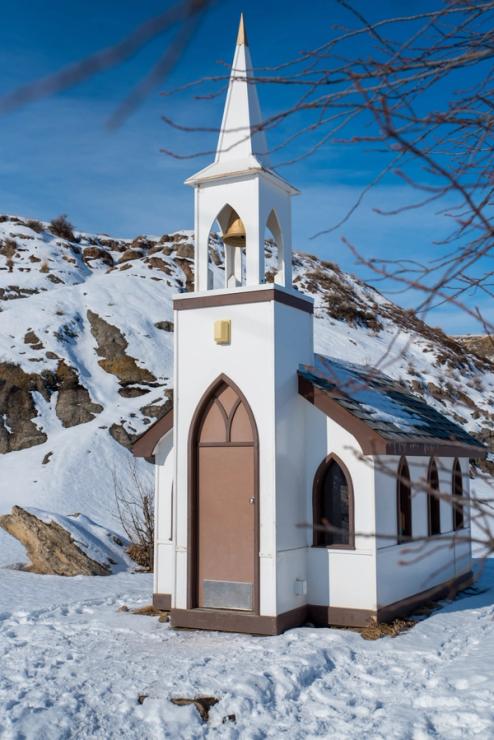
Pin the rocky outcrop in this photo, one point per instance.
(165, 325)
(50, 548)
(131, 254)
(111, 346)
(74, 405)
(481, 344)
(185, 251)
(33, 340)
(157, 263)
(156, 410)
(120, 435)
(18, 412)
(17, 408)
(97, 253)
(186, 268)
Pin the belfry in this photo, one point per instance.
(272, 506)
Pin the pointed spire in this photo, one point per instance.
(242, 35)
(240, 135)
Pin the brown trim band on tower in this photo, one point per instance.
(371, 442)
(145, 444)
(240, 298)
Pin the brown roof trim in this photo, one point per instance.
(371, 442)
(238, 298)
(144, 444)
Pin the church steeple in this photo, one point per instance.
(241, 135)
(240, 192)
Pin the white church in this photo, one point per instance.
(290, 487)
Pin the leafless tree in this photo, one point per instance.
(419, 87)
(134, 502)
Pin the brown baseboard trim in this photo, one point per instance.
(222, 620)
(448, 589)
(337, 616)
(163, 602)
(250, 296)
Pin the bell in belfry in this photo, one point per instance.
(234, 236)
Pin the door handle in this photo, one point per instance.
(252, 500)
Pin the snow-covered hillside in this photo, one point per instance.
(86, 330)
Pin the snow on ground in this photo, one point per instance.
(72, 666)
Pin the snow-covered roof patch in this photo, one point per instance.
(383, 404)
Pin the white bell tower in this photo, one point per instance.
(223, 558)
(240, 188)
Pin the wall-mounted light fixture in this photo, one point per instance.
(222, 331)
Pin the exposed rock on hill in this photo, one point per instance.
(111, 345)
(50, 548)
(17, 408)
(481, 344)
(74, 405)
(21, 395)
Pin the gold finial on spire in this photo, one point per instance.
(242, 36)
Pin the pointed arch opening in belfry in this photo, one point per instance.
(224, 256)
(273, 248)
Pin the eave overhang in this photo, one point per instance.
(373, 443)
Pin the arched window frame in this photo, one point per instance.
(318, 491)
(273, 226)
(404, 502)
(458, 507)
(433, 502)
(234, 258)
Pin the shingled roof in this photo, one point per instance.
(384, 418)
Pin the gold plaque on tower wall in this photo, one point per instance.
(222, 331)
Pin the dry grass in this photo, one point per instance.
(391, 629)
(62, 227)
(147, 611)
(35, 225)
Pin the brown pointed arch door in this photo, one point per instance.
(224, 502)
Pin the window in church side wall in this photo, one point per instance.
(333, 506)
(404, 502)
(457, 491)
(433, 501)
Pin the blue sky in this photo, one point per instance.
(58, 156)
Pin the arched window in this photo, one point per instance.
(433, 501)
(457, 491)
(226, 250)
(333, 505)
(273, 247)
(404, 501)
